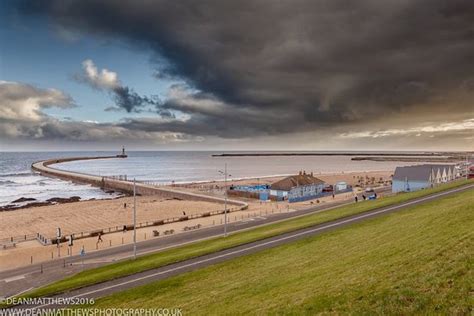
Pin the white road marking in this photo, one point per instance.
(240, 223)
(266, 243)
(21, 292)
(14, 278)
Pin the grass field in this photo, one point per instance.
(417, 261)
(181, 253)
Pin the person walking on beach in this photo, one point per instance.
(99, 239)
(124, 205)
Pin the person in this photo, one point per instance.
(99, 239)
(375, 194)
(333, 195)
(363, 196)
(124, 228)
(184, 213)
(356, 199)
(124, 205)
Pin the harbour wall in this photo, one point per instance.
(43, 167)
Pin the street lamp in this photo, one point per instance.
(134, 219)
(225, 192)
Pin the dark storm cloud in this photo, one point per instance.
(280, 66)
(125, 98)
(129, 100)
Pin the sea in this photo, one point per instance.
(17, 180)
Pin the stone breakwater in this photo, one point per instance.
(43, 167)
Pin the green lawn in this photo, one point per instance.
(181, 253)
(417, 261)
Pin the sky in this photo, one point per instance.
(241, 75)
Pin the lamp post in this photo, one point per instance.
(134, 219)
(225, 194)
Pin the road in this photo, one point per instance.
(13, 282)
(110, 287)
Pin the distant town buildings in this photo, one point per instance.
(413, 178)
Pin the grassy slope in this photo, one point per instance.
(181, 253)
(417, 261)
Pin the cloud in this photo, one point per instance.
(24, 103)
(22, 117)
(253, 68)
(464, 127)
(101, 80)
(124, 97)
(318, 63)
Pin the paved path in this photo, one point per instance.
(128, 282)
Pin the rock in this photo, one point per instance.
(64, 200)
(8, 207)
(23, 199)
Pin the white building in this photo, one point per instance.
(413, 178)
(298, 188)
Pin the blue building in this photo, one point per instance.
(413, 178)
(300, 187)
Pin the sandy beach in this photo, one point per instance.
(101, 214)
(98, 214)
(370, 178)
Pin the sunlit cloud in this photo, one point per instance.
(465, 125)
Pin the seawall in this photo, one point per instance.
(43, 167)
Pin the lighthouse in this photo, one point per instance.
(123, 154)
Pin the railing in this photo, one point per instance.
(19, 238)
(120, 177)
(119, 228)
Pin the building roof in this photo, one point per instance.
(418, 172)
(451, 167)
(290, 182)
(409, 173)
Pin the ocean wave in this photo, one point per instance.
(6, 182)
(16, 174)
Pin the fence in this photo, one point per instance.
(321, 195)
(18, 238)
(252, 195)
(47, 241)
(120, 177)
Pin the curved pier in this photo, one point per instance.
(43, 167)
